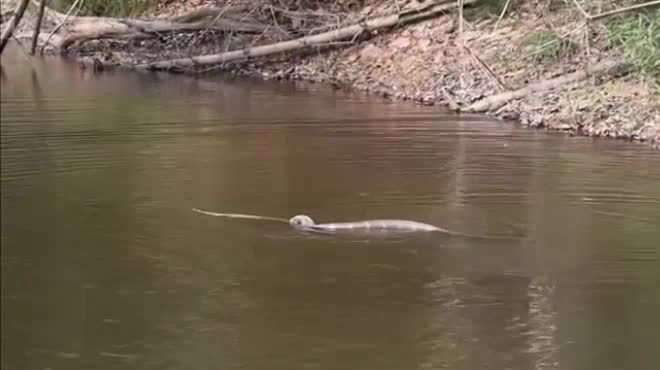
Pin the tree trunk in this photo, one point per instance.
(13, 23)
(37, 26)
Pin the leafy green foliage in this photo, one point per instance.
(113, 8)
(638, 37)
(547, 46)
(487, 8)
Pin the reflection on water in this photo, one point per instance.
(104, 265)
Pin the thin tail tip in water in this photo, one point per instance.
(204, 212)
(238, 215)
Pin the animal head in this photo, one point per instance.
(301, 221)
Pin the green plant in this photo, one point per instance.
(113, 8)
(547, 46)
(638, 38)
(485, 9)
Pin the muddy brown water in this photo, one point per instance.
(105, 266)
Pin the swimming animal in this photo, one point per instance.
(306, 223)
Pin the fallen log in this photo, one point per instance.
(116, 28)
(497, 101)
(84, 28)
(424, 11)
(13, 23)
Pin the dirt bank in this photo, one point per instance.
(441, 61)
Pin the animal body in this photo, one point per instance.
(306, 223)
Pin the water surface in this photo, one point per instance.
(105, 266)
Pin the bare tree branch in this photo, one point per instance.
(37, 26)
(499, 19)
(615, 11)
(13, 23)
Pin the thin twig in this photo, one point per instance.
(258, 37)
(582, 10)
(215, 19)
(461, 39)
(626, 9)
(504, 9)
(488, 70)
(460, 20)
(66, 17)
(616, 11)
(277, 25)
(37, 26)
(13, 24)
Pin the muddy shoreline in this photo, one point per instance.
(432, 63)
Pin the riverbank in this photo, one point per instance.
(450, 62)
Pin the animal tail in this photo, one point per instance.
(238, 215)
(477, 236)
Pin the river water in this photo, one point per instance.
(105, 266)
